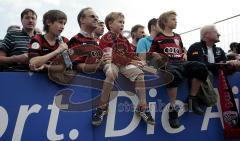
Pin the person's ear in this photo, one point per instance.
(48, 22)
(153, 27)
(110, 25)
(133, 34)
(81, 19)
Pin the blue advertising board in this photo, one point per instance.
(33, 108)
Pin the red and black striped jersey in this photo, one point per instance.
(123, 53)
(171, 46)
(39, 46)
(90, 52)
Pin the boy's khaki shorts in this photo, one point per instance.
(131, 72)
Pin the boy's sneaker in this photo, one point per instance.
(98, 116)
(146, 115)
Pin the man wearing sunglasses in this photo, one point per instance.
(85, 42)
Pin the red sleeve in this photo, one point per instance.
(154, 46)
(35, 47)
(75, 43)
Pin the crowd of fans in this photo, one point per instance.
(28, 48)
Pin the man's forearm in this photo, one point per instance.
(6, 60)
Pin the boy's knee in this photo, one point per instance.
(111, 76)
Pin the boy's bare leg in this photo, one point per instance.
(88, 68)
(111, 73)
(55, 68)
(142, 108)
(101, 111)
(141, 91)
(107, 88)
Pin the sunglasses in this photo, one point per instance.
(93, 16)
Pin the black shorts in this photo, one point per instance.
(187, 69)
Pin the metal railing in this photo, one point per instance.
(228, 28)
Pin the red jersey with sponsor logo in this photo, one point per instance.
(39, 46)
(85, 49)
(171, 46)
(123, 53)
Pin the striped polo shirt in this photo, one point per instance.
(1, 42)
(15, 43)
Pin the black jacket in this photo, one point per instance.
(198, 52)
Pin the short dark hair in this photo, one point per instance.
(52, 16)
(81, 14)
(151, 22)
(234, 45)
(100, 22)
(135, 28)
(26, 11)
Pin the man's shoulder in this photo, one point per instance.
(79, 35)
(219, 50)
(16, 33)
(146, 39)
(77, 38)
(80, 39)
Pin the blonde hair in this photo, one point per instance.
(164, 17)
(206, 29)
(110, 18)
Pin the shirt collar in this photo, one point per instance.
(204, 43)
(25, 33)
(85, 34)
